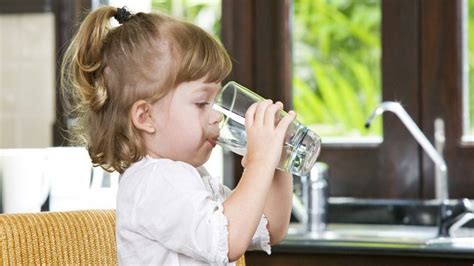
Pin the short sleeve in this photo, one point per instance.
(261, 238)
(175, 209)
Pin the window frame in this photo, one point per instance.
(258, 37)
(442, 88)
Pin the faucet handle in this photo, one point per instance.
(468, 205)
(454, 216)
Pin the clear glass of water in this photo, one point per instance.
(301, 146)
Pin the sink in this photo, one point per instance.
(383, 211)
(381, 237)
(342, 210)
(382, 223)
(385, 235)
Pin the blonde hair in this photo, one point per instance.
(105, 70)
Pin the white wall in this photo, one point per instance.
(27, 80)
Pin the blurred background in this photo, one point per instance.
(333, 61)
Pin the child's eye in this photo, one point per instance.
(202, 104)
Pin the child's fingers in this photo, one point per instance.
(272, 113)
(285, 122)
(260, 112)
(250, 115)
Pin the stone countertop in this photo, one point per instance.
(382, 240)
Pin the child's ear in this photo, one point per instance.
(141, 116)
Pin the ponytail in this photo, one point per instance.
(83, 60)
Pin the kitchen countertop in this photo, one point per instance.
(411, 241)
(382, 227)
(362, 248)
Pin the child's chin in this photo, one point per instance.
(205, 159)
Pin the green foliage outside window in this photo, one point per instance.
(205, 13)
(336, 65)
(470, 54)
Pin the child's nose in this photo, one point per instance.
(215, 117)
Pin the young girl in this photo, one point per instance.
(143, 93)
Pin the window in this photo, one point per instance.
(469, 97)
(336, 65)
(421, 67)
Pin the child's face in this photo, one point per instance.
(186, 125)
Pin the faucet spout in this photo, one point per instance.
(311, 207)
(441, 173)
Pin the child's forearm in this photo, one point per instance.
(244, 207)
(278, 206)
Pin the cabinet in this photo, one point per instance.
(255, 258)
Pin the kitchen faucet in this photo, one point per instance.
(450, 217)
(441, 170)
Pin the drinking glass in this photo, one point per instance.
(301, 146)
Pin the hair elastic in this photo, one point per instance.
(123, 15)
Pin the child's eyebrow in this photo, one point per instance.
(208, 89)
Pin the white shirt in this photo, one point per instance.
(170, 213)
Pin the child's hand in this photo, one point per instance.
(264, 138)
